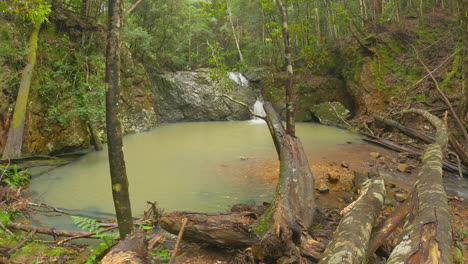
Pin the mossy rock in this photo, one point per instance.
(330, 113)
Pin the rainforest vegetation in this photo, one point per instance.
(79, 77)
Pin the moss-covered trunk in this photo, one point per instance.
(427, 235)
(15, 133)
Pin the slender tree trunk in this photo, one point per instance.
(377, 9)
(290, 93)
(15, 133)
(114, 131)
(463, 5)
(236, 39)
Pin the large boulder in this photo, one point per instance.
(194, 96)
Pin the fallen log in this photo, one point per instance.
(427, 234)
(133, 249)
(50, 231)
(446, 165)
(384, 229)
(351, 238)
(423, 137)
(405, 130)
(230, 230)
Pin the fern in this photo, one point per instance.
(87, 224)
(91, 225)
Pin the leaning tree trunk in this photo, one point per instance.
(114, 131)
(283, 228)
(427, 235)
(15, 133)
(351, 238)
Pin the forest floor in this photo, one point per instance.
(334, 174)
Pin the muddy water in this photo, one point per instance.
(183, 166)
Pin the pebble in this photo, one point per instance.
(402, 167)
(323, 188)
(344, 164)
(333, 176)
(375, 154)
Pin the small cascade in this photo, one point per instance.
(258, 110)
(239, 78)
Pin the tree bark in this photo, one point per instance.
(290, 92)
(283, 228)
(133, 249)
(351, 238)
(230, 230)
(15, 133)
(114, 131)
(427, 235)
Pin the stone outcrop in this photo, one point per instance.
(194, 96)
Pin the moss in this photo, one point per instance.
(262, 224)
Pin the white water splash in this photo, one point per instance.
(239, 78)
(258, 110)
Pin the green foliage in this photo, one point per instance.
(72, 83)
(91, 225)
(36, 11)
(4, 218)
(14, 177)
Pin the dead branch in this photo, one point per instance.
(130, 10)
(244, 105)
(443, 97)
(406, 130)
(179, 238)
(427, 235)
(26, 239)
(382, 231)
(447, 165)
(50, 231)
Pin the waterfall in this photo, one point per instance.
(258, 110)
(239, 78)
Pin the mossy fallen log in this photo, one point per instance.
(351, 238)
(427, 234)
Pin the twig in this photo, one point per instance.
(7, 230)
(83, 236)
(179, 238)
(443, 96)
(130, 10)
(460, 168)
(339, 116)
(244, 105)
(435, 69)
(26, 239)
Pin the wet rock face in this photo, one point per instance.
(193, 96)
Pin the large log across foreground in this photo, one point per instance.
(427, 235)
(351, 238)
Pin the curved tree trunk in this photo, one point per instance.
(427, 235)
(15, 133)
(351, 238)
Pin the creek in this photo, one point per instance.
(200, 166)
